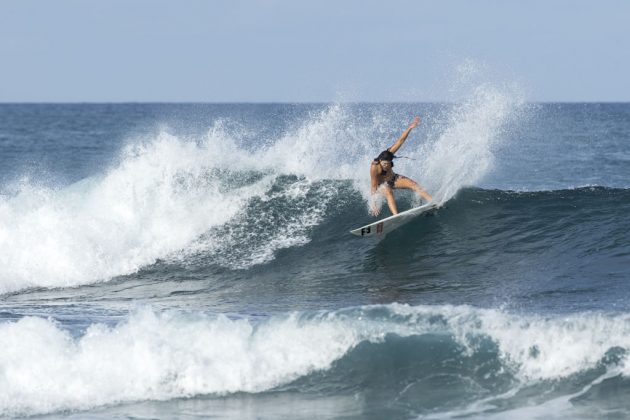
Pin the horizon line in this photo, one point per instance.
(277, 102)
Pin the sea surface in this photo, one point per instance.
(194, 261)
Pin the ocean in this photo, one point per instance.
(195, 261)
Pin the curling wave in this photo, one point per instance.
(162, 356)
(168, 194)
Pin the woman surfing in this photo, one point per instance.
(385, 180)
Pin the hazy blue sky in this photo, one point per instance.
(296, 51)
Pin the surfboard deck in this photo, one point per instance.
(384, 226)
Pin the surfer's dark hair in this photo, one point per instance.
(386, 155)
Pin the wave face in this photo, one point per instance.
(525, 244)
(427, 358)
(166, 193)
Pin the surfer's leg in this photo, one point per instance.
(389, 195)
(409, 184)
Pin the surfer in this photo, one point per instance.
(384, 179)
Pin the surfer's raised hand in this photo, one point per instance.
(415, 122)
(394, 147)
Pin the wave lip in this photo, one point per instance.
(153, 356)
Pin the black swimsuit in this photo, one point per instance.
(392, 181)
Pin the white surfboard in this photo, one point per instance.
(384, 226)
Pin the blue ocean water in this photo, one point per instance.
(194, 260)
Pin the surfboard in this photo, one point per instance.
(384, 226)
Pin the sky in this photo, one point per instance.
(310, 51)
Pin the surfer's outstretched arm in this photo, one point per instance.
(404, 135)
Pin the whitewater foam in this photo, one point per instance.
(169, 355)
(159, 198)
(157, 357)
